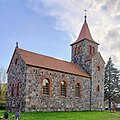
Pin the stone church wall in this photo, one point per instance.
(90, 62)
(34, 101)
(97, 79)
(16, 74)
(81, 57)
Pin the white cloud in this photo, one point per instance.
(103, 20)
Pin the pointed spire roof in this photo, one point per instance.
(84, 33)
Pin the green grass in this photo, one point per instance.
(67, 115)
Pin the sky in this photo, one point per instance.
(49, 27)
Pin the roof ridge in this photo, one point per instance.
(43, 55)
(43, 61)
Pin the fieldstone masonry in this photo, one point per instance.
(30, 80)
(90, 62)
(97, 79)
(16, 74)
(30, 98)
(83, 59)
(36, 102)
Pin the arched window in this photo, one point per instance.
(93, 50)
(17, 89)
(46, 86)
(89, 49)
(12, 90)
(98, 88)
(16, 61)
(76, 50)
(63, 88)
(80, 49)
(98, 68)
(77, 90)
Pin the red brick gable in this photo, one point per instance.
(43, 61)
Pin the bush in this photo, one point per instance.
(2, 105)
(1, 117)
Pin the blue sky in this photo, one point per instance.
(49, 26)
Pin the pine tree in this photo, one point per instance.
(111, 88)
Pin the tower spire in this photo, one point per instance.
(85, 32)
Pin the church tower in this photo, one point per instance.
(85, 54)
(84, 48)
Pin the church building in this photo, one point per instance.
(41, 83)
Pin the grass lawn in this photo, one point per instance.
(67, 115)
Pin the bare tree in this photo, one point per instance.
(3, 78)
(3, 75)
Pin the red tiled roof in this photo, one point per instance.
(84, 34)
(42, 61)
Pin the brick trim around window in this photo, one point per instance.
(42, 78)
(80, 89)
(66, 82)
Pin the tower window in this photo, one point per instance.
(77, 90)
(46, 87)
(76, 51)
(63, 88)
(93, 50)
(98, 88)
(80, 49)
(89, 49)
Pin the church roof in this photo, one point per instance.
(43, 61)
(84, 34)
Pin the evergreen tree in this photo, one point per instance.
(112, 81)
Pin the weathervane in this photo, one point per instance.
(85, 13)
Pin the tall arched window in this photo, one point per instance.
(93, 50)
(80, 49)
(77, 90)
(63, 88)
(89, 49)
(46, 86)
(98, 88)
(17, 89)
(16, 61)
(12, 90)
(76, 50)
